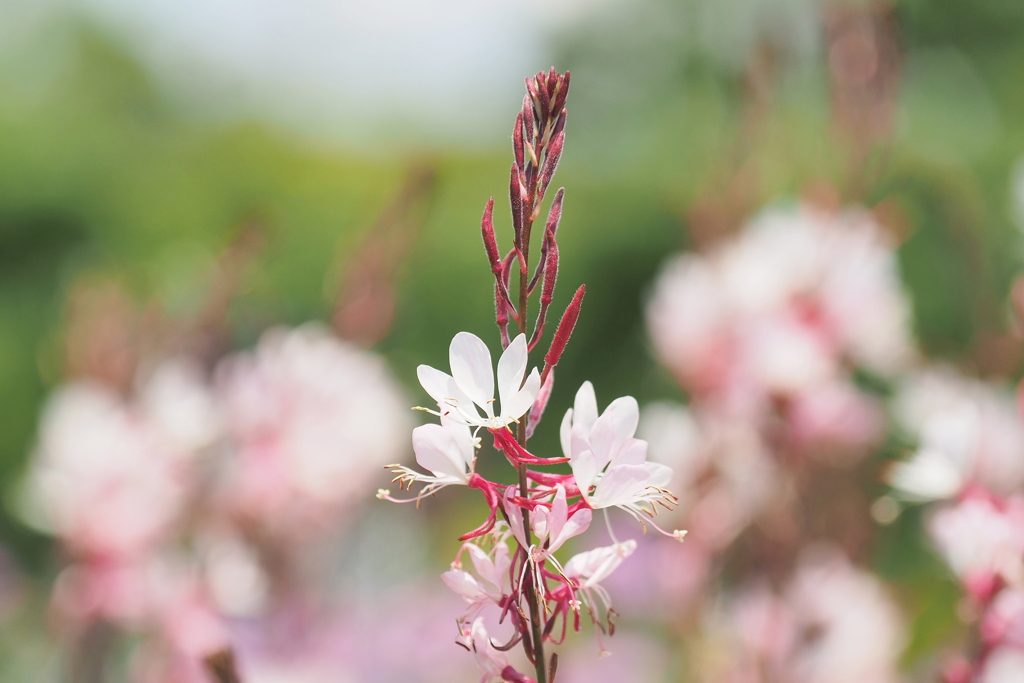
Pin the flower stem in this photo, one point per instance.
(531, 595)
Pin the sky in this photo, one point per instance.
(440, 69)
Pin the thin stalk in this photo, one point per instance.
(531, 595)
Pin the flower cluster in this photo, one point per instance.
(768, 325)
(771, 333)
(831, 623)
(195, 496)
(516, 576)
(968, 467)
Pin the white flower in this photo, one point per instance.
(587, 570)
(590, 568)
(492, 662)
(609, 465)
(470, 388)
(448, 450)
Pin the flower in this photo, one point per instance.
(492, 569)
(780, 304)
(448, 450)
(1004, 665)
(312, 419)
(584, 573)
(610, 465)
(492, 662)
(590, 568)
(553, 526)
(968, 432)
(981, 537)
(104, 478)
(470, 388)
(832, 623)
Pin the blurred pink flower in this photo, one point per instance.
(781, 304)
(313, 419)
(105, 479)
(1003, 665)
(968, 432)
(109, 590)
(832, 623)
(1003, 623)
(981, 537)
(836, 414)
(634, 658)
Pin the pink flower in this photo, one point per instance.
(967, 431)
(492, 662)
(492, 568)
(835, 417)
(777, 309)
(831, 624)
(1003, 665)
(981, 536)
(104, 478)
(313, 419)
(552, 526)
(1003, 623)
(590, 568)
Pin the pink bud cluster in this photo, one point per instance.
(514, 577)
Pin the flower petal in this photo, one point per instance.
(463, 437)
(660, 475)
(596, 565)
(438, 451)
(620, 485)
(617, 423)
(511, 370)
(515, 516)
(523, 400)
(585, 406)
(541, 520)
(462, 583)
(446, 393)
(471, 367)
(574, 526)
(559, 512)
(631, 452)
(436, 383)
(584, 470)
(565, 434)
(485, 566)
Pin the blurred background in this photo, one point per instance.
(230, 231)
